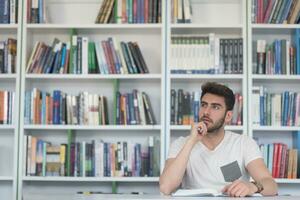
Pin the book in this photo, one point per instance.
(201, 192)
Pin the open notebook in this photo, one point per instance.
(202, 192)
(197, 192)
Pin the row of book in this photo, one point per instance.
(281, 161)
(279, 57)
(36, 11)
(8, 56)
(130, 11)
(181, 11)
(82, 56)
(134, 108)
(276, 11)
(60, 108)
(206, 55)
(185, 107)
(275, 109)
(92, 159)
(7, 99)
(8, 11)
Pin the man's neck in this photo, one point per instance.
(213, 139)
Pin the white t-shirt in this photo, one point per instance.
(203, 168)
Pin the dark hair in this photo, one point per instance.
(219, 90)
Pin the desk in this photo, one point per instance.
(142, 197)
(158, 197)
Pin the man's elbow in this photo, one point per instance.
(165, 189)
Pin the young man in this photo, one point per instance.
(211, 157)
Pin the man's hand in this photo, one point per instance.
(198, 131)
(239, 188)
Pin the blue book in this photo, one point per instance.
(284, 116)
(56, 106)
(40, 10)
(270, 157)
(277, 57)
(261, 106)
(286, 11)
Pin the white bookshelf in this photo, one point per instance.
(274, 84)
(120, 128)
(94, 76)
(62, 18)
(9, 132)
(92, 179)
(226, 19)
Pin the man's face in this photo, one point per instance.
(213, 112)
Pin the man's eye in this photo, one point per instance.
(216, 107)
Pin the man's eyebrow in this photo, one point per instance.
(214, 104)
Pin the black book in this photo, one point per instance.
(135, 58)
(141, 58)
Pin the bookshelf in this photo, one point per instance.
(225, 18)
(205, 20)
(274, 83)
(9, 131)
(62, 18)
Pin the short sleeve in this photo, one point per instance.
(175, 147)
(251, 150)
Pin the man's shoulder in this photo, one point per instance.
(237, 136)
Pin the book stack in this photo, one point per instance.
(8, 12)
(8, 56)
(81, 56)
(181, 11)
(281, 161)
(185, 107)
(60, 108)
(275, 109)
(134, 109)
(279, 57)
(36, 11)
(206, 55)
(275, 11)
(7, 99)
(92, 159)
(129, 11)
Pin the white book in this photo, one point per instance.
(187, 11)
(276, 110)
(95, 110)
(84, 56)
(196, 192)
(12, 12)
(255, 106)
(141, 108)
(217, 54)
(202, 192)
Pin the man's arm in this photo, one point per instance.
(175, 168)
(259, 172)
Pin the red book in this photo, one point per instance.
(275, 159)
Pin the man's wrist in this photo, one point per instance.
(259, 187)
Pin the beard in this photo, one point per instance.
(216, 125)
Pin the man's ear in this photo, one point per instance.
(228, 116)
